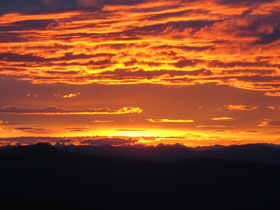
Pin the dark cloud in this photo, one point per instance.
(269, 38)
(142, 74)
(168, 14)
(275, 123)
(178, 26)
(221, 64)
(242, 2)
(14, 57)
(122, 2)
(41, 6)
(31, 140)
(30, 129)
(28, 25)
(92, 141)
(187, 62)
(248, 71)
(248, 78)
(9, 37)
(135, 33)
(62, 111)
(76, 129)
(185, 48)
(157, 9)
(56, 110)
(21, 5)
(63, 72)
(108, 141)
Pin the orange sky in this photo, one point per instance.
(164, 71)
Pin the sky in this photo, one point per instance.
(129, 72)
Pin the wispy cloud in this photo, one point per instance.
(242, 107)
(70, 95)
(222, 118)
(273, 107)
(169, 121)
(103, 121)
(63, 111)
(85, 141)
(274, 94)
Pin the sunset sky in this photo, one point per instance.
(188, 72)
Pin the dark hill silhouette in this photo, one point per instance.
(253, 152)
(42, 176)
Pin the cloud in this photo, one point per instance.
(70, 95)
(273, 94)
(76, 129)
(173, 42)
(2, 122)
(269, 38)
(222, 118)
(32, 130)
(84, 141)
(108, 141)
(263, 124)
(241, 2)
(185, 62)
(29, 129)
(274, 123)
(242, 107)
(169, 121)
(103, 121)
(273, 107)
(87, 3)
(62, 111)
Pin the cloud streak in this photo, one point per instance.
(62, 111)
(169, 121)
(222, 118)
(242, 107)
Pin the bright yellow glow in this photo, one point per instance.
(136, 132)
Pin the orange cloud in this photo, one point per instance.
(263, 124)
(273, 107)
(186, 43)
(222, 118)
(242, 107)
(275, 94)
(71, 95)
(169, 121)
(2, 122)
(268, 122)
(103, 121)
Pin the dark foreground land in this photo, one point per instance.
(43, 177)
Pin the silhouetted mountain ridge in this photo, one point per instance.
(251, 152)
(56, 178)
